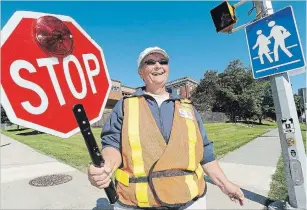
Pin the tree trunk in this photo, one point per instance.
(260, 120)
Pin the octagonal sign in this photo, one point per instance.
(46, 69)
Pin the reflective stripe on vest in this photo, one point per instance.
(200, 171)
(189, 180)
(136, 151)
(192, 144)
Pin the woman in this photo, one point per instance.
(157, 146)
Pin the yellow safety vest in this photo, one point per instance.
(156, 174)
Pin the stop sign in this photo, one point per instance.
(39, 90)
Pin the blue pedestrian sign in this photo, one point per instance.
(274, 44)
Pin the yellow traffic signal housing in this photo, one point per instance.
(223, 17)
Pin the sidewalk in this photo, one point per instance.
(251, 167)
(20, 164)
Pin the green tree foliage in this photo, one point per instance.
(204, 96)
(4, 117)
(268, 108)
(234, 81)
(299, 107)
(235, 93)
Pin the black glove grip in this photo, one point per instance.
(92, 147)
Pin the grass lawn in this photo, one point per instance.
(72, 151)
(278, 188)
(226, 137)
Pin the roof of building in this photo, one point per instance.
(182, 79)
(127, 87)
(114, 80)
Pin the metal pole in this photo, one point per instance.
(237, 28)
(294, 156)
(240, 3)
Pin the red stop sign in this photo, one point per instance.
(39, 90)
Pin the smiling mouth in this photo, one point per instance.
(157, 73)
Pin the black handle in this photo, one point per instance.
(92, 147)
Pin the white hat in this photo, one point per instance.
(150, 50)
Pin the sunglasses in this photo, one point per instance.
(151, 62)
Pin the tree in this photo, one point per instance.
(4, 117)
(233, 82)
(255, 95)
(235, 93)
(298, 105)
(204, 95)
(268, 107)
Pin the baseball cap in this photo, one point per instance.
(150, 50)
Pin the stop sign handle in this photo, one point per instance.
(92, 147)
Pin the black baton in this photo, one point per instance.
(92, 147)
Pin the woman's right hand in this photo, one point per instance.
(100, 177)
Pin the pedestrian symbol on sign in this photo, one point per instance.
(279, 33)
(262, 44)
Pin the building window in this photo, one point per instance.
(126, 94)
(178, 91)
(115, 88)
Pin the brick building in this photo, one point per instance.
(117, 92)
(183, 86)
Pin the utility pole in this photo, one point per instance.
(292, 146)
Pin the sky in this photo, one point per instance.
(184, 29)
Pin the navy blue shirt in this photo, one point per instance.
(111, 133)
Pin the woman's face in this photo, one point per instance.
(154, 70)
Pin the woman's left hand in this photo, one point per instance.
(234, 192)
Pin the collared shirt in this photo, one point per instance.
(111, 133)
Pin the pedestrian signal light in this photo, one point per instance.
(223, 17)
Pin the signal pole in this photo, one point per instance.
(293, 152)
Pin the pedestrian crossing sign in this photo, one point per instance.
(274, 44)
